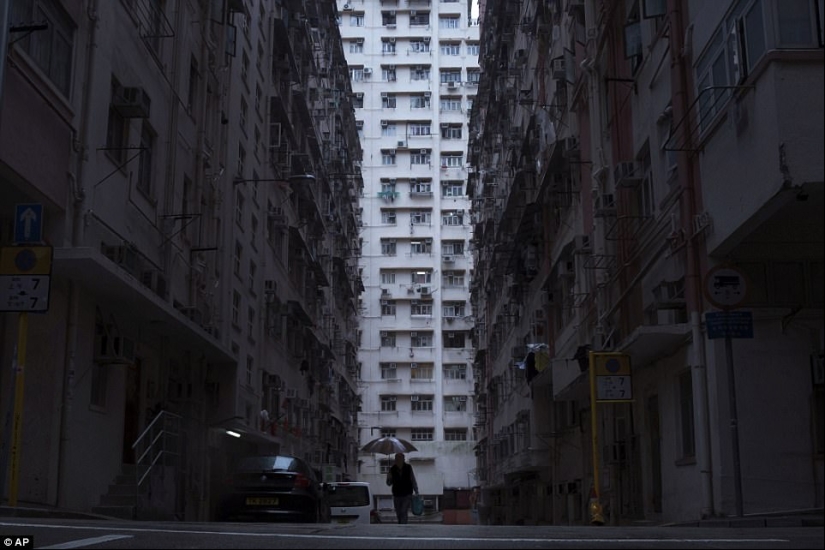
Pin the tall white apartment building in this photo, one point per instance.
(414, 71)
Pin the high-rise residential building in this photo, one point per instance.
(414, 71)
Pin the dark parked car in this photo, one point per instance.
(274, 488)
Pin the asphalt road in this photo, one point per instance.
(72, 533)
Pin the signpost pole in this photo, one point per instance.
(596, 515)
(17, 425)
(734, 424)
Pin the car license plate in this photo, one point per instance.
(343, 520)
(258, 501)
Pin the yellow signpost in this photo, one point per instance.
(610, 381)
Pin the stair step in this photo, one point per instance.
(122, 512)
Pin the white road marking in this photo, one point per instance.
(405, 534)
(82, 543)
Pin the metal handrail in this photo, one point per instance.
(154, 435)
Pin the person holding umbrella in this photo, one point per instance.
(402, 479)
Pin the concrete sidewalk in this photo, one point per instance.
(813, 517)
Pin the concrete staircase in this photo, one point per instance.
(120, 501)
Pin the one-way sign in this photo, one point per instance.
(28, 223)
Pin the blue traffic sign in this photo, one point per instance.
(28, 223)
(729, 324)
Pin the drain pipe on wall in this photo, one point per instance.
(81, 151)
(689, 201)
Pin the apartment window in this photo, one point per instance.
(356, 46)
(388, 73)
(388, 157)
(452, 310)
(421, 434)
(389, 371)
(387, 278)
(250, 322)
(250, 369)
(387, 339)
(418, 72)
(388, 247)
(473, 50)
(421, 277)
(450, 104)
(419, 101)
(117, 131)
(421, 372)
(473, 76)
(452, 248)
(245, 69)
(388, 46)
(419, 129)
(420, 217)
(420, 46)
(419, 18)
(452, 160)
(51, 48)
(242, 116)
(455, 371)
(238, 258)
(453, 279)
(421, 403)
(452, 189)
(450, 75)
(686, 413)
(451, 131)
(455, 403)
(253, 272)
(146, 160)
(449, 22)
(388, 101)
(421, 247)
(239, 207)
(419, 308)
(388, 18)
(388, 403)
(454, 339)
(455, 434)
(425, 339)
(450, 48)
(388, 217)
(452, 217)
(420, 157)
(236, 308)
(419, 187)
(356, 20)
(388, 307)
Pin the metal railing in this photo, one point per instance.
(156, 445)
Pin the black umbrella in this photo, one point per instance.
(388, 445)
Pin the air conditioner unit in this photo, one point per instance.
(424, 290)
(359, 95)
(624, 175)
(413, 334)
(392, 40)
(384, 123)
(462, 398)
(413, 13)
(291, 393)
(385, 302)
(413, 398)
(384, 334)
(452, 84)
(385, 292)
(428, 94)
(384, 94)
(131, 102)
(392, 365)
(423, 152)
(448, 259)
(347, 7)
(413, 365)
(367, 71)
(390, 151)
(402, 143)
(426, 39)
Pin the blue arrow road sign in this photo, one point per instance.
(28, 223)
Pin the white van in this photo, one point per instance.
(349, 501)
